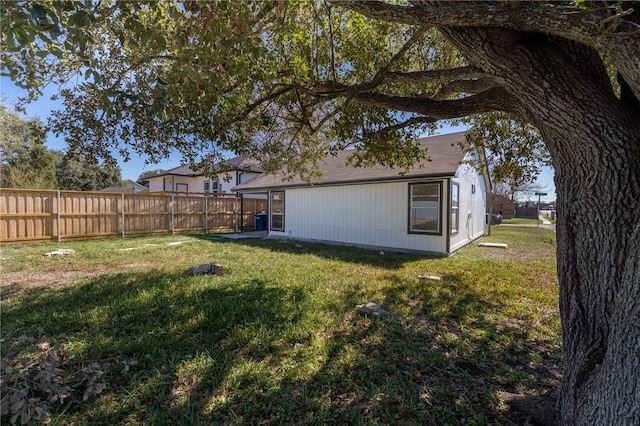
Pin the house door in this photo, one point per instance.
(276, 210)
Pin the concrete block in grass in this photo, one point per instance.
(371, 309)
(207, 269)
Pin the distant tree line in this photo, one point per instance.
(25, 161)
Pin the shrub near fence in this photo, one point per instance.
(40, 215)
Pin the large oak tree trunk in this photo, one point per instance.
(594, 140)
(599, 270)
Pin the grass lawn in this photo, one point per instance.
(276, 340)
(520, 221)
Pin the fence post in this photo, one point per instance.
(241, 214)
(235, 214)
(59, 227)
(173, 226)
(206, 214)
(122, 215)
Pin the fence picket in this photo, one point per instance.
(45, 215)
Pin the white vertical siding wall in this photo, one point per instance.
(236, 178)
(472, 206)
(248, 176)
(480, 217)
(194, 183)
(374, 214)
(155, 185)
(224, 187)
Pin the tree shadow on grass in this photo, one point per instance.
(216, 351)
(371, 257)
(160, 321)
(419, 367)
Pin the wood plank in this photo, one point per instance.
(19, 215)
(87, 214)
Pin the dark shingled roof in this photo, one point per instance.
(244, 163)
(130, 187)
(444, 152)
(177, 171)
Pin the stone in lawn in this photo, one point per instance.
(177, 243)
(60, 252)
(371, 309)
(430, 277)
(207, 269)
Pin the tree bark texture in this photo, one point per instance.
(594, 141)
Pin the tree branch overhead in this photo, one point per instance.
(494, 99)
(604, 28)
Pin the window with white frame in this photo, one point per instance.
(424, 208)
(182, 187)
(277, 210)
(455, 207)
(210, 186)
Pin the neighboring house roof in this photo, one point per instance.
(497, 198)
(244, 163)
(241, 163)
(176, 171)
(130, 187)
(444, 151)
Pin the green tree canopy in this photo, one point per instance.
(86, 174)
(516, 151)
(25, 162)
(282, 82)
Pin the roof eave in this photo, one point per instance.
(284, 185)
(174, 174)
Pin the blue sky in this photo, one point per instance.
(137, 164)
(42, 109)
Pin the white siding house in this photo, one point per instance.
(183, 179)
(438, 208)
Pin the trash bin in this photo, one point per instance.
(261, 222)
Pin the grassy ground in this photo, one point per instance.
(277, 340)
(520, 221)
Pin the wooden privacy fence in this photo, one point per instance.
(40, 215)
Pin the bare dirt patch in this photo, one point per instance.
(516, 253)
(14, 282)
